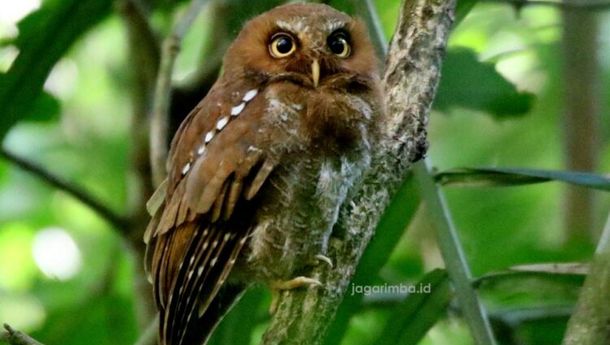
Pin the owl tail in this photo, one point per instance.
(199, 330)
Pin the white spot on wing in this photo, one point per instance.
(186, 168)
(208, 137)
(222, 123)
(238, 109)
(201, 149)
(213, 262)
(250, 95)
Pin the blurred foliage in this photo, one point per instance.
(44, 36)
(64, 100)
(473, 85)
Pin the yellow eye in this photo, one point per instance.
(282, 45)
(339, 45)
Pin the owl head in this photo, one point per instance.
(312, 44)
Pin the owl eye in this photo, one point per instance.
(281, 45)
(338, 44)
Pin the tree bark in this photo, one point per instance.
(590, 323)
(411, 75)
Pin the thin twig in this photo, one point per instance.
(592, 5)
(14, 337)
(144, 56)
(84, 197)
(453, 255)
(149, 336)
(159, 122)
(142, 35)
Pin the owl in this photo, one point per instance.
(258, 170)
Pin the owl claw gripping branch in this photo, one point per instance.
(258, 170)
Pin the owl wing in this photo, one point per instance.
(218, 161)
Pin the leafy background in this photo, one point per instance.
(67, 276)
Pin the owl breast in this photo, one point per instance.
(324, 148)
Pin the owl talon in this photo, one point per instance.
(293, 283)
(325, 259)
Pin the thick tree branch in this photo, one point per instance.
(411, 75)
(98, 207)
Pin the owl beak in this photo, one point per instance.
(315, 72)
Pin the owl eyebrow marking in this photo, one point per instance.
(335, 25)
(297, 25)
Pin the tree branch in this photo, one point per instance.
(149, 336)
(84, 197)
(159, 122)
(592, 5)
(14, 337)
(411, 75)
(143, 50)
(589, 325)
(582, 83)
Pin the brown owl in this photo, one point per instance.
(258, 170)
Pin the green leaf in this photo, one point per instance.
(518, 176)
(46, 108)
(412, 319)
(468, 83)
(391, 227)
(462, 9)
(514, 289)
(238, 325)
(44, 37)
(554, 268)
